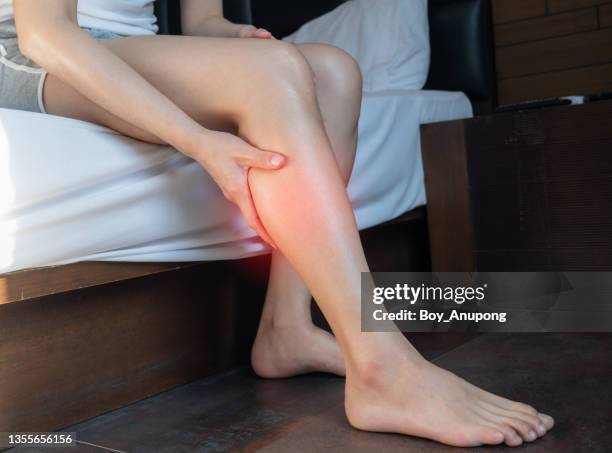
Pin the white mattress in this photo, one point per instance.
(73, 191)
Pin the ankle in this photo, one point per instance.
(280, 326)
(379, 371)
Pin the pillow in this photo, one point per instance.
(388, 38)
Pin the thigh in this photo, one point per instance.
(214, 80)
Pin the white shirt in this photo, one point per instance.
(125, 17)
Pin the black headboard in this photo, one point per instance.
(461, 36)
(462, 52)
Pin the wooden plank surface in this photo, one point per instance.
(557, 6)
(27, 284)
(448, 204)
(589, 80)
(554, 48)
(578, 50)
(512, 10)
(67, 357)
(546, 27)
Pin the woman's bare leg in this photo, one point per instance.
(288, 343)
(267, 90)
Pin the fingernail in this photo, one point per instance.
(276, 160)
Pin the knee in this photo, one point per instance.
(338, 70)
(289, 67)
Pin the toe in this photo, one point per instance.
(491, 436)
(547, 420)
(531, 426)
(541, 429)
(524, 429)
(534, 422)
(475, 435)
(510, 436)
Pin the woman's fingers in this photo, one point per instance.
(263, 33)
(229, 167)
(262, 159)
(250, 31)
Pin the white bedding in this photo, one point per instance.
(72, 191)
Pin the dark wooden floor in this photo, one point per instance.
(566, 375)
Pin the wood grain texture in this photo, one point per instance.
(448, 205)
(589, 80)
(557, 6)
(512, 10)
(45, 281)
(546, 27)
(565, 374)
(578, 50)
(70, 356)
(564, 49)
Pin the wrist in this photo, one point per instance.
(197, 144)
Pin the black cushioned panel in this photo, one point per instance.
(283, 17)
(238, 11)
(460, 34)
(168, 16)
(462, 50)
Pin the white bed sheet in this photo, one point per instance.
(73, 191)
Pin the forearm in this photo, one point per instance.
(70, 54)
(214, 26)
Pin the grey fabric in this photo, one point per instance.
(22, 80)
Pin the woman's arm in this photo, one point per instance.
(51, 37)
(205, 18)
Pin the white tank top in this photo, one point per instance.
(125, 17)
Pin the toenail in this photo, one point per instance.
(541, 428)
(532, 435)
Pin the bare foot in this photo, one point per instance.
(284, 351)
(417, 398)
